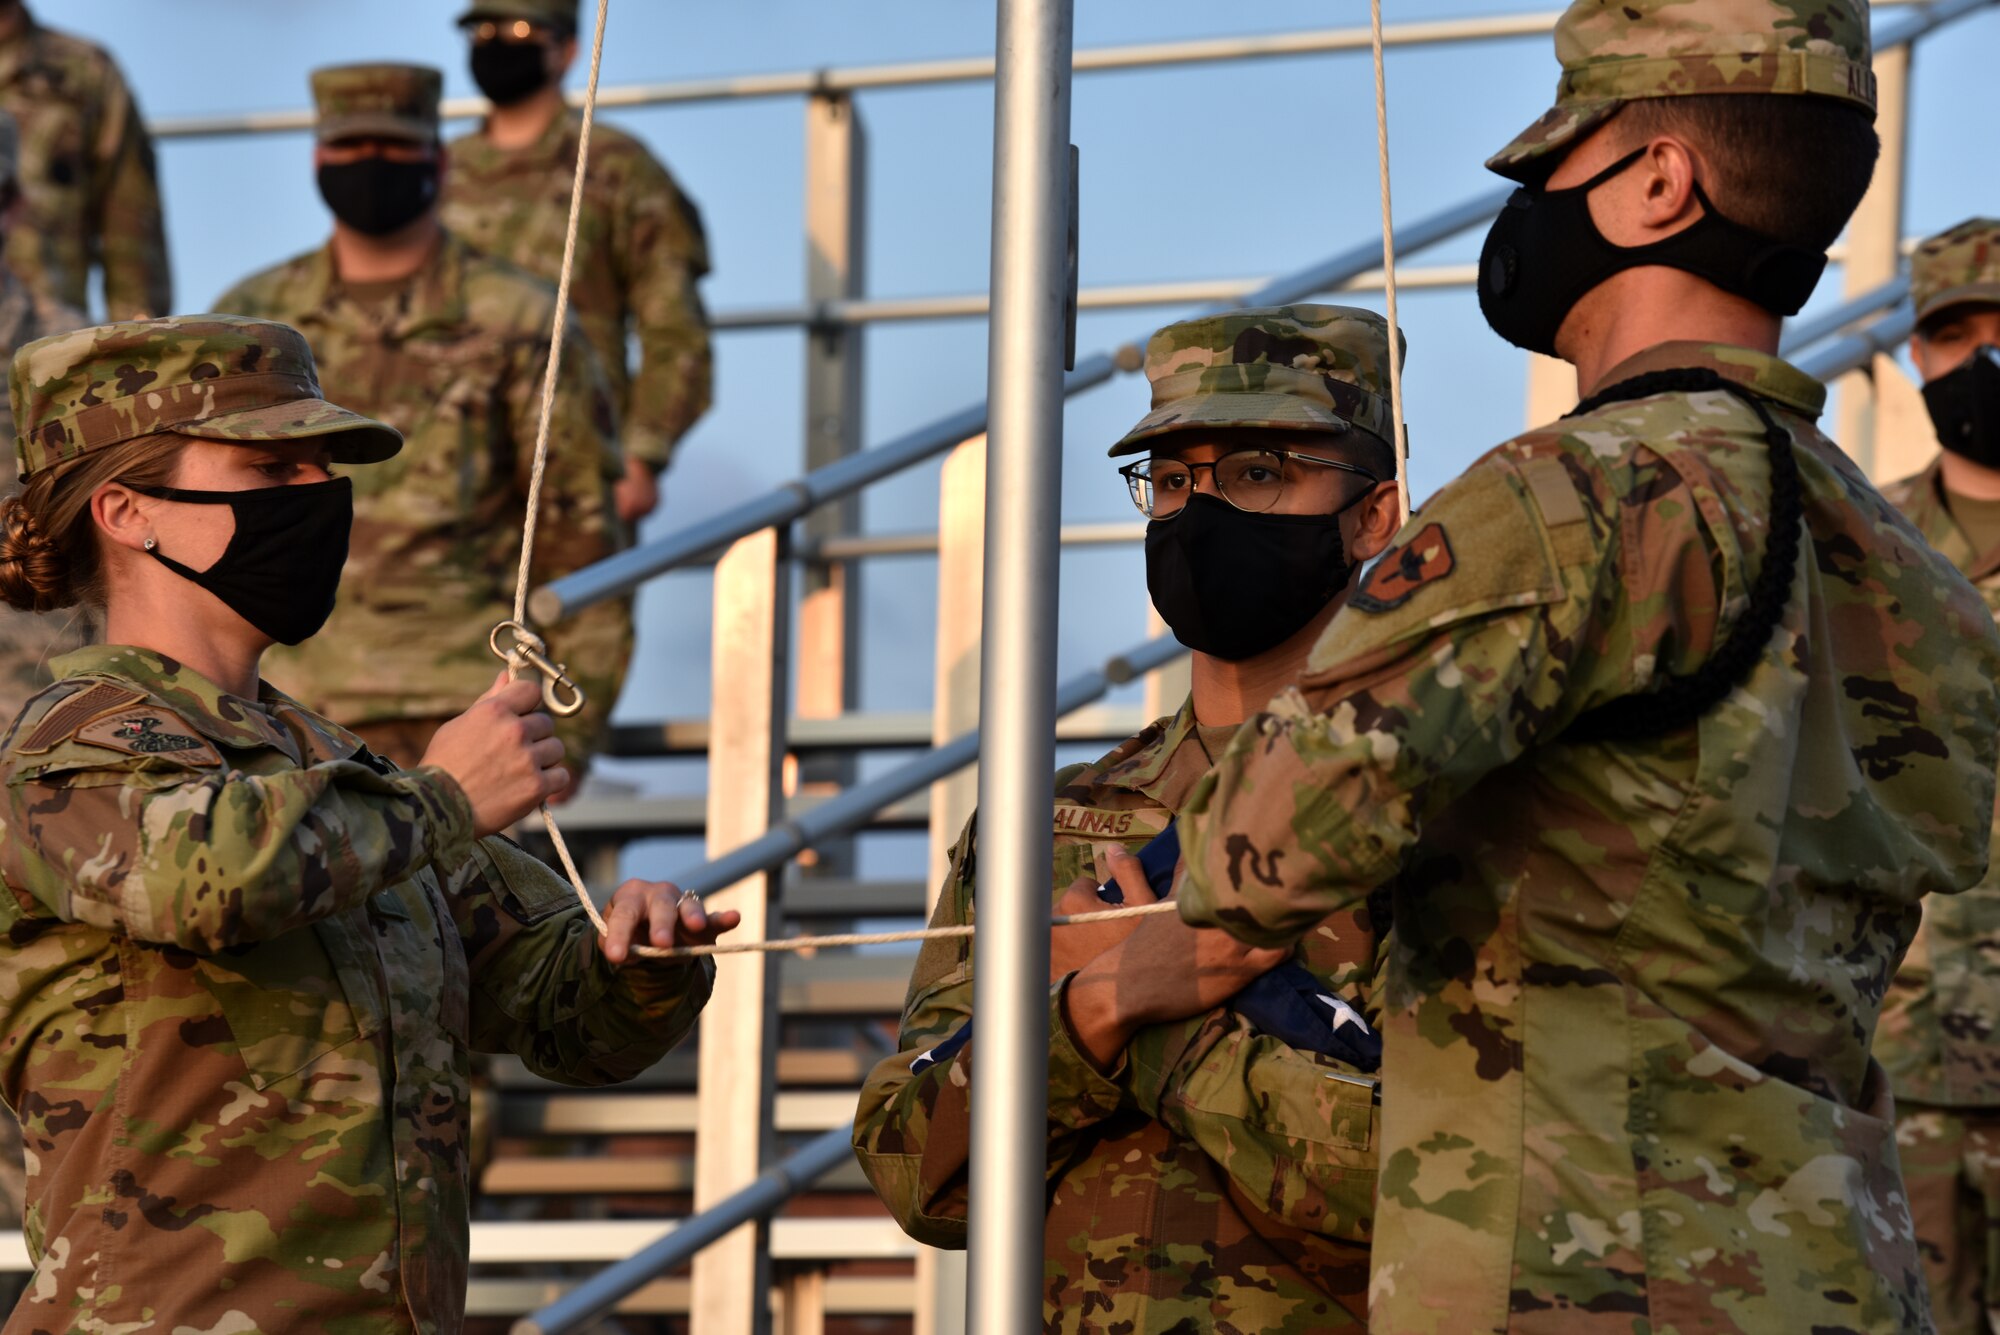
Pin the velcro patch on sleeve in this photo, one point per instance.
(149, 730)
(1554, 491)
(61, 723)
(1424, 559)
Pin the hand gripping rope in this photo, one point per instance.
(523, 650)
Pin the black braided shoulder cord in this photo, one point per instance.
(1680, 701)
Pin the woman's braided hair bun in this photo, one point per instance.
(49, 553)
(34, 572)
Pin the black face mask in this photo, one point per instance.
(1544, 253)
(282, 567)
(1965, 407)
(376, 196)
(1231, 584)
(508, 72)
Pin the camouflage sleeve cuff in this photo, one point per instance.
(448, 815)
(1080, 1095)
(1153, 1059)
(664, 989)
(651, 448)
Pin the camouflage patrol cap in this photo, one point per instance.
(1958, 266)
(377, 101)
(551, 13)
(1612, 54)
(1299, 368)
(212, 377)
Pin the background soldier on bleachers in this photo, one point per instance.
(640, 248)
(1940, 1032)
(87, 173)
(28, 640)
(1205, 1172)
(414, 327)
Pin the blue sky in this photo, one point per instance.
(1199, 172)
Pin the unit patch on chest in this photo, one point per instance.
(149, 731)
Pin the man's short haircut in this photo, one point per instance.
(1793, 168)
(1370, 452)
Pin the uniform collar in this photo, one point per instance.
(480, 154)
(200, 703)
(1924, 504)
(1761, 373)
(1162, 762)
(437, 290)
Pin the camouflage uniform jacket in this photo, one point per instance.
(1219, 1180)
(456, 365)
(639, 250)
(1941, 1021)
(27, 640)
(1632, 985)
(246, 967)
(87, 176)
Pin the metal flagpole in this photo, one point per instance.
(1017, 683)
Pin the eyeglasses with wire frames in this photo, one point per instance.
(1252, 480)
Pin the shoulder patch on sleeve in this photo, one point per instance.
(148, 730)
(1424, 559)
(68, 717)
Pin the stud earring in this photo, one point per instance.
(151, 543)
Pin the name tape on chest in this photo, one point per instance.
(1425, 559)
(1109, 822)
(148, 730)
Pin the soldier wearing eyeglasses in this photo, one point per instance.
(1207, 1169)
(640, 246)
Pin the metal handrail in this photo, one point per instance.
(596, 1296)
(621, 574)
(911, 74)
(849, 311)
(1848, 312)
(972, 69)
(1858, 349)
(855, 806)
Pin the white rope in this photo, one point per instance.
(808, 944)
(541, 462)
(561, 322)
(1402, 441)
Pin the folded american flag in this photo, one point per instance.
(1288, 1003)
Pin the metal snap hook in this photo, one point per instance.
(562, 696)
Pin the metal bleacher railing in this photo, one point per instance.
(761, 814)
